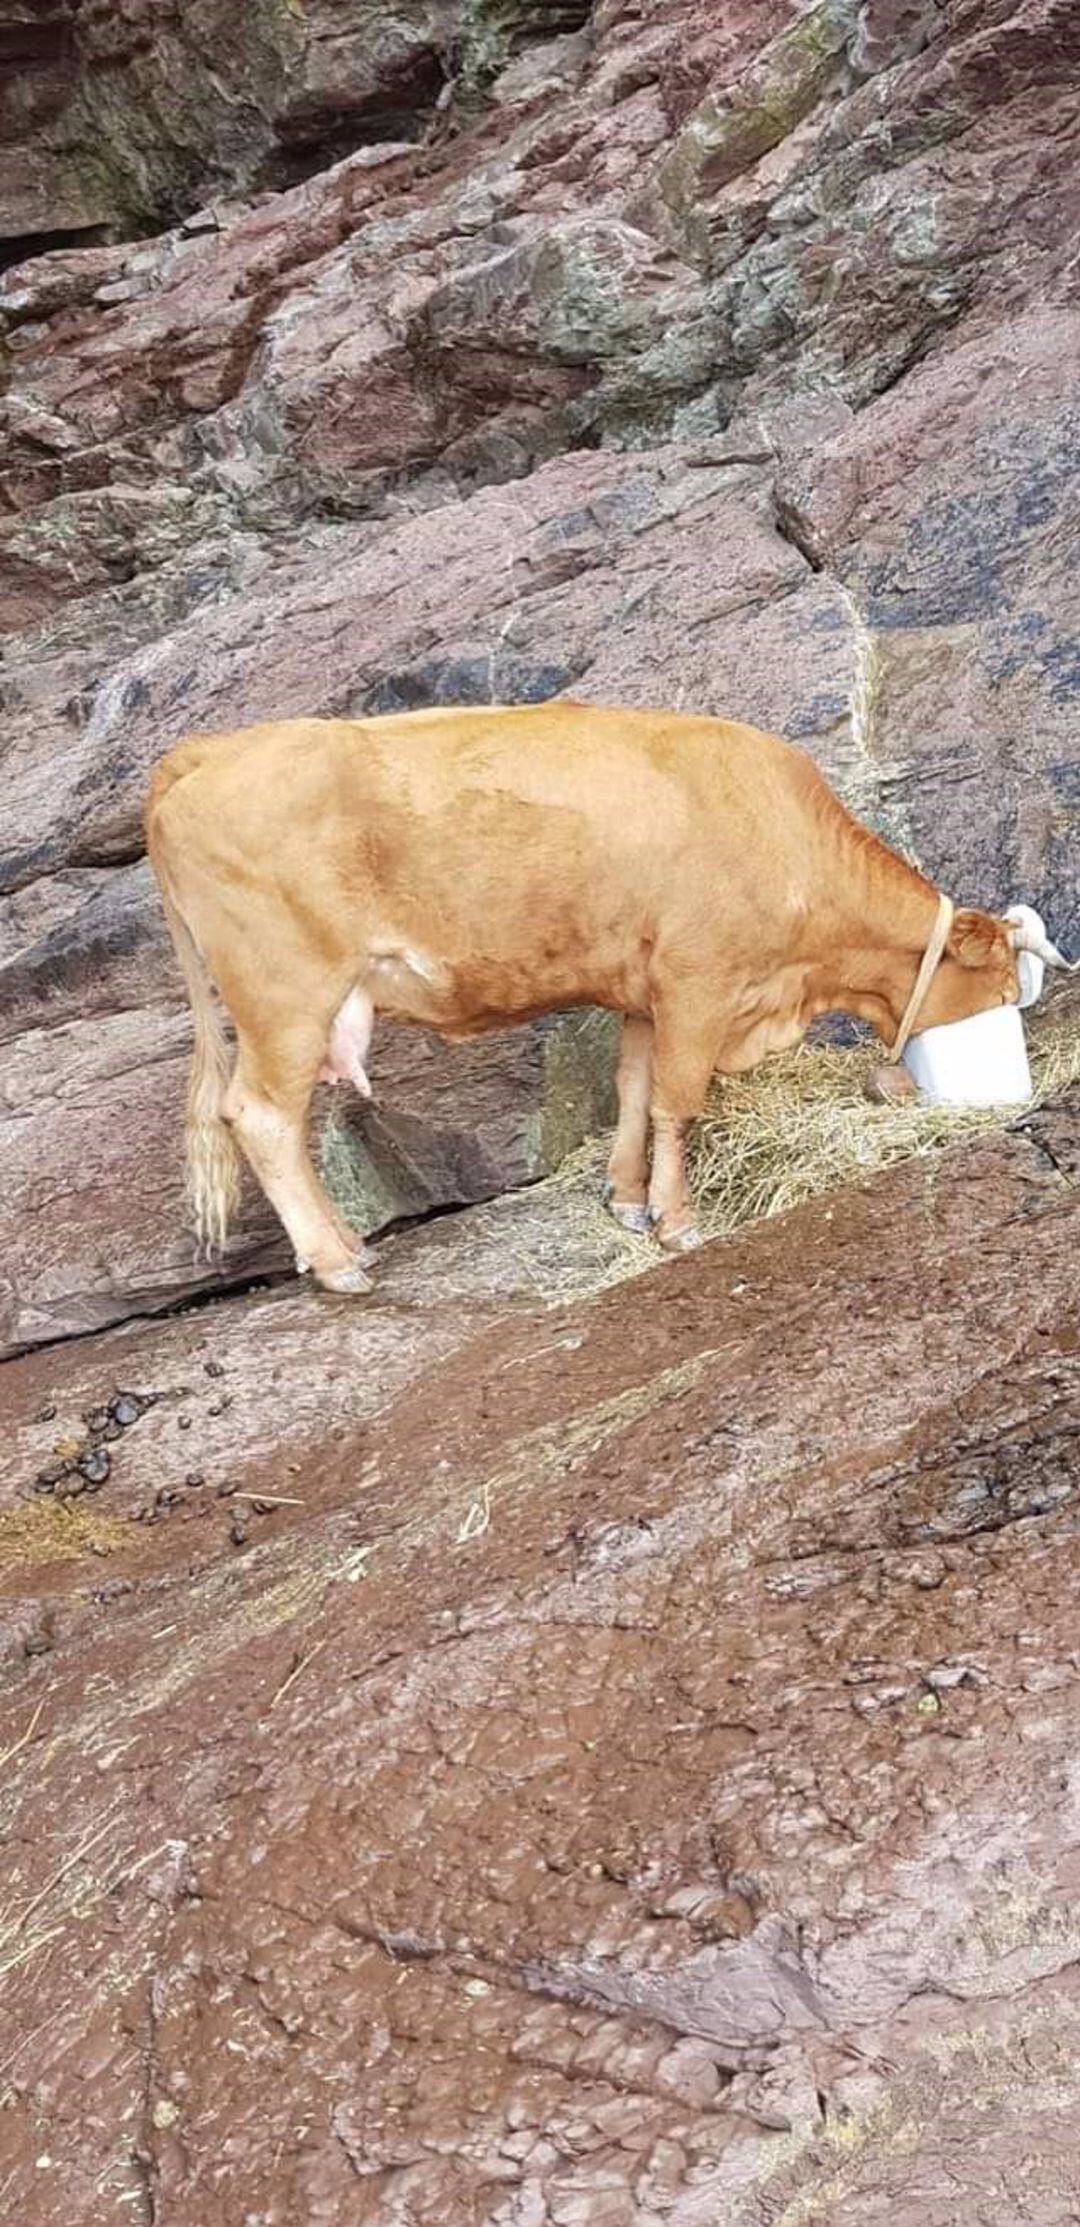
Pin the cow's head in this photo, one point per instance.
(982, 965)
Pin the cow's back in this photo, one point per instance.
(540, 852)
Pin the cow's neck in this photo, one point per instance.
(882, 924)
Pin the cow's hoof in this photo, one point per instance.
(684, 1240)
(352, 1278)
(628, 1215)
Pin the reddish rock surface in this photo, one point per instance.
(115, 117)
(495, 1755)
(605, 1764)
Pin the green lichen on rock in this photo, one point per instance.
(360, 1187)
(483, 47)
(578, 1086)
(160, 127)
(492, 31)
(646, 398)
(591, 302)
(730, 131)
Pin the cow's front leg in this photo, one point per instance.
(626, 1189)
(683, 1061)
(671, 1207)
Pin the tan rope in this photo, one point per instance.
(931, 960)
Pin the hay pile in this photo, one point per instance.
(801, 1124)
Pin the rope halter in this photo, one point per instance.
(931, 960)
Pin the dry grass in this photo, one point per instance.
(801, 1124)
(68, 1892)
(33, 1532)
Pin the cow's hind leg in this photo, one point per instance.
(266, 1105)
(683, 1061)
(626, 1189)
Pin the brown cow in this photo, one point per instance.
(472, 868)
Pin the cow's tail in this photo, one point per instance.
(213, 1163)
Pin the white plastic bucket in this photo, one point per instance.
(1030, 970)
(979, 1062)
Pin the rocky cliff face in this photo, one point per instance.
(717, 356)
(461, 1763)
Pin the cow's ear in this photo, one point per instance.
(975, 937)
